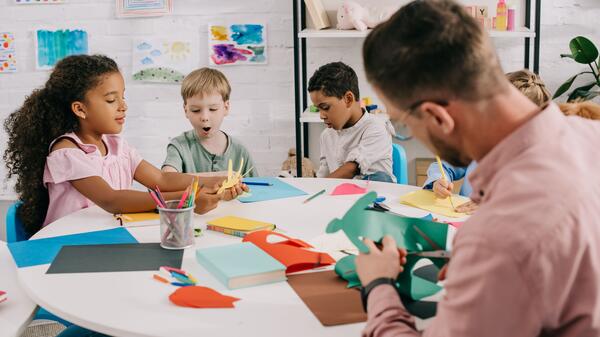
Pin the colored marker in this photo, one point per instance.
(257, 183)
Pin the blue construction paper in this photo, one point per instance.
(278, 190)
(42, 251)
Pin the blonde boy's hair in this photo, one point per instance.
(531, 85)
(205, 81)
(587, 109)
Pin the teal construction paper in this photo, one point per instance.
(359, 223)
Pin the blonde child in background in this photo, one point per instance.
(355, 144)
(67, 155)
(532, 86)
(587, 109)
(206, 149)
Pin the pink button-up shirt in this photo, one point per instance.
(527, 263)
(117, 168)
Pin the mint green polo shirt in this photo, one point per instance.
(187, 155)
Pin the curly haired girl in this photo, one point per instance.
(66, 153)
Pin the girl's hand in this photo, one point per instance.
(207, 199)
(234, 192)
(442, 188)
(468, 207)
(386, 262)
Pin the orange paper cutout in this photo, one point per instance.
(291, 252)
(201, 297)
(348, 188)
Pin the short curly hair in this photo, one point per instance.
(335, 80)
(44, 116)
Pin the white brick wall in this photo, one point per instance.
(262, 99)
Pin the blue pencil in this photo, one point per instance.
(257, 183)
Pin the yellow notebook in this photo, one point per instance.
(425, 199)
(240, 224)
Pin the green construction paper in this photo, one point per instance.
(346, 269)
(359, 223)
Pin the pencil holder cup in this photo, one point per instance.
(176, 228)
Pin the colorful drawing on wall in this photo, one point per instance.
(8, 61)
(38, 2)
(237, 44)
(53, 45)
(140, 8)
(161, 60)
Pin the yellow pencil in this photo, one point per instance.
(439, 161)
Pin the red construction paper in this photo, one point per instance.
(348, 188)
(290, 252)
(201, 297)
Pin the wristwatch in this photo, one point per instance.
(366, 290)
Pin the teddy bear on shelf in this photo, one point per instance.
(352, 15)
(288, 168)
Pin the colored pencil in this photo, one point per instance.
(313, 196)
(439, 162)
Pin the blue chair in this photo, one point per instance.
(399, 164)
(15, 232)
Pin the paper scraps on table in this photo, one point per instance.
(348, 189)
(3, 296)
(201, 297)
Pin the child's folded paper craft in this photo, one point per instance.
(427, 200)
(3, 296)
(348, 189)
(201, 297)
(292, 253)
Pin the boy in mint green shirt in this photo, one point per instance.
(206, 149)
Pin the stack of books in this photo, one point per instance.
(237, 226)
(317, 14)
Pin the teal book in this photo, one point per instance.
(241, 265)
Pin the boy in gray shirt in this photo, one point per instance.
(206, 149)
(355, 144)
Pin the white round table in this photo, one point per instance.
(133, 304)
(18, 310)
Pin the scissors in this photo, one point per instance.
(438, 252)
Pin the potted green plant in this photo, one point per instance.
(583, 51)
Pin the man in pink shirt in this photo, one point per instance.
(528, 262)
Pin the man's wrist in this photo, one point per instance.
(366, 290)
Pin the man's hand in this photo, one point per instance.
(207, 199)
(386, 262)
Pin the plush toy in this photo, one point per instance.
(288, 168)
(352, 15)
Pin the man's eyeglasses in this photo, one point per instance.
(403, 132)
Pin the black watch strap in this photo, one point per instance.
(366, 290)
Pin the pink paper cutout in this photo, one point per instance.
(348, 188)
(456, 224)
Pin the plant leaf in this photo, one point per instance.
(584, 51)
(565, 86)
(580, 92)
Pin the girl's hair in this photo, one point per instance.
(586, 109)
(531, 85)
(45, 115)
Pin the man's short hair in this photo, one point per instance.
(432, 50)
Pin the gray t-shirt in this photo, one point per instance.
(187, 155)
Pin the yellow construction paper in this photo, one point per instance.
(136, 217)
(425, 199)
(240, 224)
